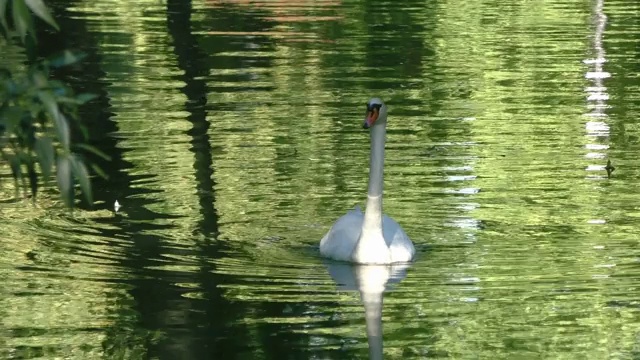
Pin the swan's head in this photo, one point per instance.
(376, 113)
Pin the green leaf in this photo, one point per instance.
(35, 108)
(60, 121)
(66, 57)
(10, 118)
(66, 100)
(46, 154)
(85, 131)
(59, 88)
(85, 98)
(3, 15)
(31, 43)
(81, 173)
(99, 171)
(94, 150)
(64, 134)
(39, 79)
(22, 19)
(65, 183)
(40, 9)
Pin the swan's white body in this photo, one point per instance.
(372, 237)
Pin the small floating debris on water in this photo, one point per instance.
(116, 206)
(610, 168)
(597, 221)
(31, 255)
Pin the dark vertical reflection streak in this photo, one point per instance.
(211, 335)
(225, 335)
(152, 289)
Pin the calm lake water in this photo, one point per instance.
(235, 131)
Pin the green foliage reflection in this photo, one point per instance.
(38, 114)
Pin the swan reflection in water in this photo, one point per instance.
(371, 281)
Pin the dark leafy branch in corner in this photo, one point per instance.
(37, 113)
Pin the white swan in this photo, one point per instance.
(372, 237)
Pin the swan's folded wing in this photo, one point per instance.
(341, 239)
(402, 249)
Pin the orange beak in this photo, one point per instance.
(372, 116)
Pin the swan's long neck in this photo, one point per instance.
(373, 214)
(371, 247)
